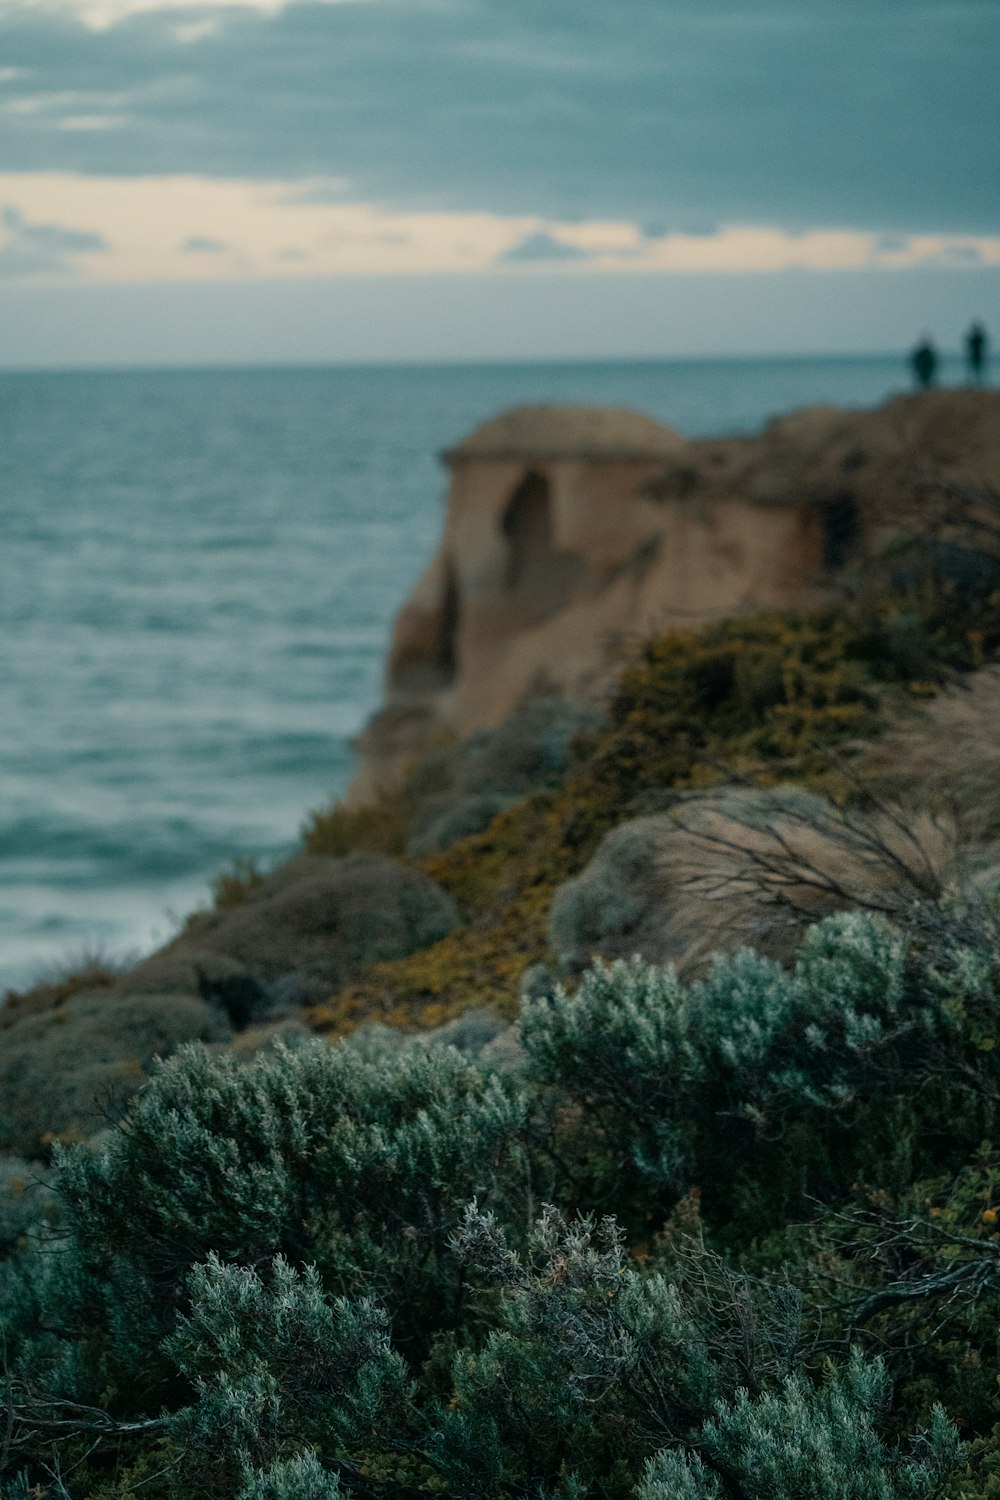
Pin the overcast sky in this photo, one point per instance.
(548, 177)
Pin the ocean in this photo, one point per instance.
(199, 571)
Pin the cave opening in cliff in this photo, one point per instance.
(841, 530)
(539, 579)
(447, 657)
(527, 525)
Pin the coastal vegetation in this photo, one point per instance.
(704, 1239)
(472, 1212)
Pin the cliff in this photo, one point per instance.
(573, 532)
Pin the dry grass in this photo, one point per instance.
(947, 753)
(746, 866)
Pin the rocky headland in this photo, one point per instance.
(667, 892)
(625, 708)
(574, 533)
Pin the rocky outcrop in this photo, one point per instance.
(66, 1068)
(573, 532)
(461, 791)
(743, 867)
(237, 977)
(307, 929)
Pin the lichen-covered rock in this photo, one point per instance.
(62, 1069)
(742, 866)
(318, 919)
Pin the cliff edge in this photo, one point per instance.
(574, 531)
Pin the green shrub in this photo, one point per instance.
(592, 1363)
(299, 1478)
(322, 919)
(318, 1154)
(276, 1365)
(25, 1200)
(805, 1440)
(64, 1069)
(595, 1366)
(763, 1085)
(267, 1282)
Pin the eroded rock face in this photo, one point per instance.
(574, 531)
(743, 867)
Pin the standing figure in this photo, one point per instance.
(924, 362)
(975, 353)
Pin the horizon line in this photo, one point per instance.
(485, 362)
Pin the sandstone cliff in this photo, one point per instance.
(572, 532)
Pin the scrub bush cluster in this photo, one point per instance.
(724, 1240)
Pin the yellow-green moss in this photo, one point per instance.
(380, 827)
(235, 885)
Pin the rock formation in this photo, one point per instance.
(744, 866)
(311, 924)
(573, 531)
(235, 977)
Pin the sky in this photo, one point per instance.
(284, 180)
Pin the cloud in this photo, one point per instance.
(890, 243)
(203, 244)
(542, 246)
(197, 31)
(100, 15)
(324, 190)
(960, 255)
(63, 109)
(43, 249)
(866, 114)
(176, 228)
(91, 122)
(150, 229)
(659, 229)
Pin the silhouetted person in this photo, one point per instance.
(975, 353)
(924, 362)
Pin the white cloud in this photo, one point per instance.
(99, 15)
(67, 109)
(91, 122)
(259, 230)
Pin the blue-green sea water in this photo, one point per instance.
(198, 576)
